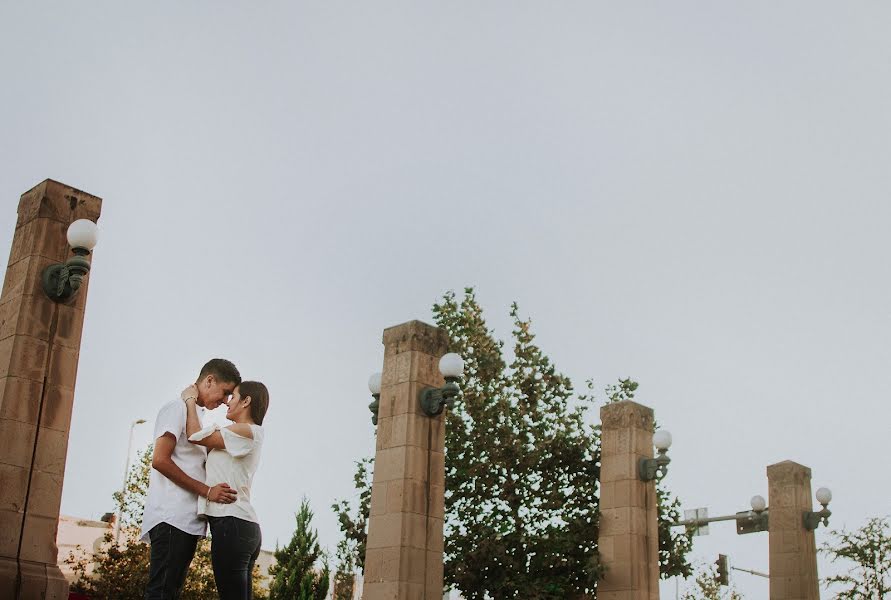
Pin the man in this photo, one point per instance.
(170, 522)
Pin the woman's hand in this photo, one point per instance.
(190, 393)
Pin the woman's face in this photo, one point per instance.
(236, 406)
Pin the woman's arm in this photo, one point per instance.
(193, 423)
(215, 440)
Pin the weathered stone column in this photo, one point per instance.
(39, 349)
(403, 559)
(793, 550)
(629, 531)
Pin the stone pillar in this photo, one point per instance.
(403, 558)
(629, 530)
(39, 349)
(793, 550)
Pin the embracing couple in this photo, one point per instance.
(203, 475)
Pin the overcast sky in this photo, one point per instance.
(695, 194)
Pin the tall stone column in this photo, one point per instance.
(39, 349)
(793, 550)
(403, 558)
(629, 530)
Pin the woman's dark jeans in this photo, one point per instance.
(234, 548)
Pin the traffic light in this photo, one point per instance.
(723, 570)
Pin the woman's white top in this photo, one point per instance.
(236, 466)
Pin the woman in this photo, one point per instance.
(233, 457)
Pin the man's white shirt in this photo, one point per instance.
(166, 501)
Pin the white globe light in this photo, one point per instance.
(451, 365)
(374, 383)
(824, 496)
(83, 233)
(662, 440)
(758, 503)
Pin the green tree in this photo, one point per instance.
(353, 517)
(120, 571)
(868, 553)
(522, 470)
(345, 574)
(706, 587)
(353, 520)
(295, 575)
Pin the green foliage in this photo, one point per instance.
(522, 471)
(117, 572)
(344, 576)
(351, 549)
(867, 551)
(132, 505)
(353, 519)
(120, 572)
(624, 390)
(706, 587)
(294, 577)
(522, 468)
(674, 543)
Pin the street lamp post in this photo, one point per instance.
(117, 524)
(757, 519)
(432, 400)
(405, 523)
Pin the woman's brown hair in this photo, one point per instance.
(259, 399)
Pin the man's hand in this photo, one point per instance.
(221, 493)
(190, 392)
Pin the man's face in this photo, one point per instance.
(212, 392)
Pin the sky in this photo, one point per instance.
(693, 194)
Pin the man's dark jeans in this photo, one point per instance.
(172, 552)
(234, 547)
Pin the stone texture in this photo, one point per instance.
(40, 581)
(793, 550)
(11, 531)
(17, 443)
(39, 351)
(23, 357)
(13, 487)
(628, 538)
(405, 531)
(20, 399)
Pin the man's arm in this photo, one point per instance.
(162, 462)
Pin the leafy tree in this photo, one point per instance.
(353, 519)
(120, 571)
(706, 586)
(345, 574)
(294, 576)
(522, 471)
(522, 468)
(869, 551)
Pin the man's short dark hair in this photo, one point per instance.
(221, 369)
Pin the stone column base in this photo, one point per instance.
(38, 581)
